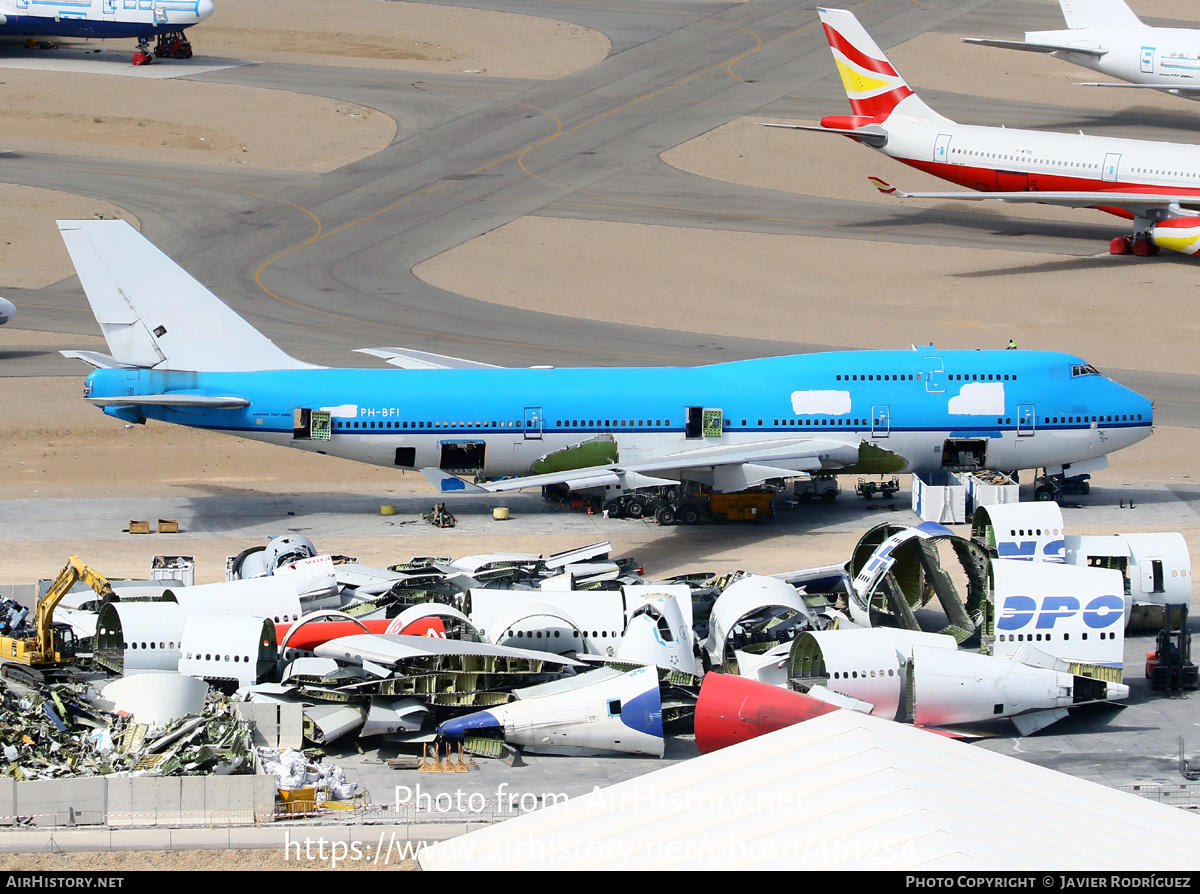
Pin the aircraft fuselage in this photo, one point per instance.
(1161, 57)
(100, 18)
(1015, 409)
(997, 159)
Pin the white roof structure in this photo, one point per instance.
(842, 791)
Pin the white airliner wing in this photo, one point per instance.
(1164, 88)
(1031, 47)
(406, 358)
(1136, 202)
(728, 467)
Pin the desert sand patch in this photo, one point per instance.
(189, 122)
(832, 291)
(32, 253)
(406, 36)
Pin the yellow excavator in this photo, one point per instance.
(46, 651)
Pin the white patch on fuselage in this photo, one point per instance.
(978, 399)
(827, 403)
(345, 411)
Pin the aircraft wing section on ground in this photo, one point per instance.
(406, 358)
(729, 467)
(153, 314)
(1033, 47)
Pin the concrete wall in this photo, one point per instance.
(59, 802)
(142, 801)
(174, 800)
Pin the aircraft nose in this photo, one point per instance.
(204, 8)
(7, 311)
(460, 726)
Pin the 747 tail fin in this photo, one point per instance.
(153, 314)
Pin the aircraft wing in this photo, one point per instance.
(1165, 88)
(1032, 47)
(406, 358)
(1136, 202)
(728, 467)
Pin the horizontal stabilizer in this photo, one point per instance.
(95, 358)
(406, 358)
(153, 314)
(1031, 47)
(871, 134)
(196, 401)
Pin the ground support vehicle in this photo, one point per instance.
(173, 46)
(1051, 487)
(818, 487)
(868, 489)
(1170, 667)
(756, 505)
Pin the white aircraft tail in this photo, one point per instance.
(873, 86)
(1099, 14)
(153, 314)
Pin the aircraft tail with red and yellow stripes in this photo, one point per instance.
(875, 89)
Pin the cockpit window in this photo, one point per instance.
(1084, 369)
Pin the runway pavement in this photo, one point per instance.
(322, 263)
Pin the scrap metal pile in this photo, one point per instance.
(70, 730)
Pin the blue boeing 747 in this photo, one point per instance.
(179, 355)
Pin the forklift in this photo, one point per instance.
(1170, 665)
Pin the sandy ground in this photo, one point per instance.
(32, 254)
(406, 36)
(661, 276)
(184, 121)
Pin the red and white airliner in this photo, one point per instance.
(1154, 184)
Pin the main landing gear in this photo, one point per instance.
(1139, 244)
(172, 45)
(142, 55)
